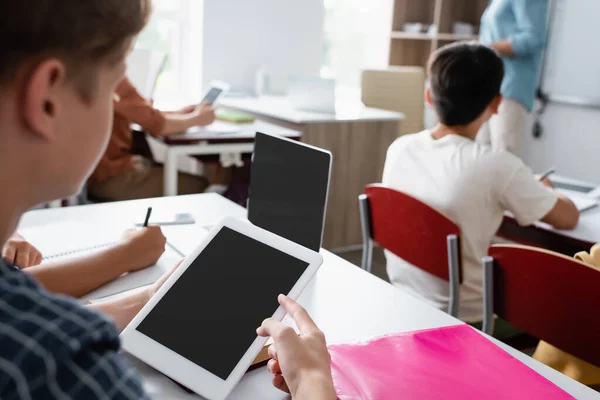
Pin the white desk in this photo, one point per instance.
(346, 302)
(279, 107)
(221, 144)
(568, 242)
(357, 136)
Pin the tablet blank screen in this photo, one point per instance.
(288, 189)
(211, 313)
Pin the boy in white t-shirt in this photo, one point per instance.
(472, 185)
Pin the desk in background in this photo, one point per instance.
(358, 138)
(347, 303)
(584, 236)
(215, 144)
(543, 235)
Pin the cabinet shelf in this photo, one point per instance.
(408, 48)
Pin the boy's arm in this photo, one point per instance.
(124, 309)
(564, 214)
(78, 276)
(531, 200)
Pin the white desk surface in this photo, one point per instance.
(588, 228)
(280, 108)
(346, 302)
(244, 132)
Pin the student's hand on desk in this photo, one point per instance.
(143, 246)
(204, 115)
(300, 364)
(21, 253)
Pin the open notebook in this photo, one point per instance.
(581, 201)
(71, 239)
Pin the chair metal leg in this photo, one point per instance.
(365, 223)
(488, 295)
(454, 274)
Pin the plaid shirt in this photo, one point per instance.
(52, 348)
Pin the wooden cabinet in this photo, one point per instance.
(409, 48)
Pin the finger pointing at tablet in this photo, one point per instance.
(302, 359)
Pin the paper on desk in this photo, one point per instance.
(581, 201)
(217, 127)
(70, 238)
(184, 238)
(136, 279)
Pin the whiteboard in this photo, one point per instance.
(571, 71)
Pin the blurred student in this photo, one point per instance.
(516, 29)
(470, 183)
(60, 70)
(121, 175)
(136, 250)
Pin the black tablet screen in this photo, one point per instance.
(288, 189)
(210, 315)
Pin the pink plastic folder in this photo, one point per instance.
(448, 363)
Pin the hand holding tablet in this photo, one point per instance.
(200, 327)
(303, 359)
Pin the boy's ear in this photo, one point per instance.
(42, 97)
(428, 99)
(495, 104)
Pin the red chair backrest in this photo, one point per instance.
(550, 296)
(411, 229)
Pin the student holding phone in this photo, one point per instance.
(121, 175)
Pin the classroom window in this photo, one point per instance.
(174, 29)
(356, 37)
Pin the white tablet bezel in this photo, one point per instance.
(183, 370)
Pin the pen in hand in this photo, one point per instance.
(148, 213)
(547, 174)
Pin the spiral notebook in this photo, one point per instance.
(70, 239)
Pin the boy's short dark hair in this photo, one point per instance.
(464, 78)
(81, 33)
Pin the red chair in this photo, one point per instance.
(413, 231)
(546, 294)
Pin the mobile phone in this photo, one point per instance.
(172, 219)
(216, 90)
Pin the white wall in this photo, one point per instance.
(241, 35)
(571, 142)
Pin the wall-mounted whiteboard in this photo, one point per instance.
(240, 36)
(571, 71)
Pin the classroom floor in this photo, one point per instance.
(378, 266)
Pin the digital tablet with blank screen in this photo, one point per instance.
(288, 189)
(200, 328)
